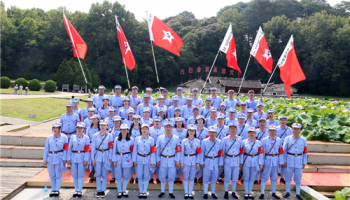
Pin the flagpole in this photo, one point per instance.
(155, 65)
(244, 74)
(269, 80)
(209, 72)
(126, 71)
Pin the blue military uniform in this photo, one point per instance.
(181, 134)
(204, 110)
(215, 101)
(258, 115)
(242, 131)
(116, 100)
(192, 119)
(271, 122)
(148, 121)
(231, 103)
(201, 134)
(78, 111)
(187, 110)
(222, 131)
(152, 101)
(251, 122)
(140, 107)
(229, 120)
(110, 119)
(115, 133)
(251, 103)
(182, 99)
(103, 110)
(157, 107)
(155, 132)
(197, 102)
(173, 120)
(85, 111)
(69, 123)
(283, 133)
(135, 100)
(171, 110)
(98, 99)
(55, 153)
(123, 112)
(261, 134)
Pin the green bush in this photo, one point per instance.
(21, 81)
(50, 86)
(5, 82)
(34, 85)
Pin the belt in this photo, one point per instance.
(294, 154)
(78, 151)
(273, 155)
(189, 155)
(252, 155)
(212, 157)
(144, 155)
(121, 154)
(53, 152)
(232, 156)
(68, 133)
(102, 150)
(167, 156)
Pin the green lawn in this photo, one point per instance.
(44, 108)
(328, 97)
(11, 90)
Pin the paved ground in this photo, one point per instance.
(38, 193)
(60, 94)
(43, 128)
(14, 123)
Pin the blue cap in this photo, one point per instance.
(270, 111)
(160, 97)
(117, 118)
(177, 108)
(124, 126)
(178, 119)
(232, 124)
(149, 89)
(179, 88)
(296, 125)
(96, 116)
(195, 90)
(232, 110)
(146, 95)
(92, 109)
(241, 115)
(161, 110)
(146, 110)
(212, 129)
(195, 107)
(168, 124)
(220, 116)
(251, 129)
(105, 97)
(208, 99)
(56, 124)
(251, 91)
(111, 108)
(282, 117)
(212, 109)
(262, 119)
(222, 104)
(104, 121)
(200, 117)
(75, 100)
(81, 124)
(259, 104)
(69, 104)
(90, 99)
(117, 87)
(164, 91)
(136, 117)
(213, 88)
(250, 110)
(189, 98)
(232, 91)
(101, 87)
(131, 110)
(144, 125)
(243, 103)
(135, 87)
(191, 127)
(126, 99)
(272, 127)
(175, 98)
(157, 118)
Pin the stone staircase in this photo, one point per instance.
(26, 149)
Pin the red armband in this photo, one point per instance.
(178, 149)
(281, 150)
(131, 148)
(139, 103)
(220, 153)
(227, 134)
(199, 150)
(154, 104)
(261, 150)
(65, 146)
(241, 150)
(152, 125)
(110, 145)
(87, 148)
(238, 105)
(305, 150)
(207, 136)
(153, 149)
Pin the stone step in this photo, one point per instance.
(29, 152)
(335, 147)
(327, 168)
(329, 158)
(20, 162)
(23, 139)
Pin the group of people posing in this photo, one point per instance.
(164, 139)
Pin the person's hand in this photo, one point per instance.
(285, 165)
(152, 165)
(182, 166)
(45, 163)
(197, 166)
(115, 164)
(94, 163)
(158, 164)
(303, 166)
(261, 167)
(280, 165)
(220, 166)
(135, 164)
(69, 163)
(240, 166)
(177, 165)
(85, 163)
(110, 161)
(202, 166)
(89, 94)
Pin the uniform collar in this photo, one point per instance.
(262, 130)
(104, 134)
(136, 128)
(145, 137)
(56, 136)
(190, 139)
(272, 138)
(82, 136)
(220, 126)
(211, 140)
(69, 114)
(116, 128)
(178, 129)
(294, 137)
(200, 129)
(167, 136)
(250, 140)
(271, 121)
(118, 95)
(235, 137)
(284, 127)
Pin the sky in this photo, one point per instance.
(160, 8)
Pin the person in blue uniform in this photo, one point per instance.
(76, 109)
(98, 98)
(190, 159)
(187, 109)
(273, 159)
(146, 119)
(101, 147)
(295, 154)
(182, 99)
(271, 121)
(155, 132)
(69, 121)
(144, 157)
(197, 101)
(232, 147)
(242, 127)
(211, 120)
(145, 104)
(222, 110)
(253, 161)
(117, 100)
(152, 101)
(201, 131)
(135, 100)
(55, 157)
(171, 109)
(250, 121)
(88, 120)
(91, 130)
(177, 114)
(161, 115)
(243, 109)
(159, 105)
(212, 161)
(215, 100)
(259, 113)
(261, 133)
(283, 131)
(231, 102)
(85, 111)
(221, 129)
(122, 159)
(124, 110)
(129, 120)
(231, 117)
(115, 131)
(103, 110)
(168, 159)
(192, 119)
(111, 112)
(134, 132)
(180, 132)
(78, 156)
(167, 101)
(204, 111)
(251, 102)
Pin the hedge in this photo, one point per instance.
(5, 82)
(50, 86)
(21, 81)
(34, 85)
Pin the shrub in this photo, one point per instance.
(5, 82)
(21, 81)
(34, 85)
(50, 86)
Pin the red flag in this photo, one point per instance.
(228, 46)
(162, 35)
(79, 46)
(261, 51)
(288, 63)
(128, 58)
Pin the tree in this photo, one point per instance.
(64, 73)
